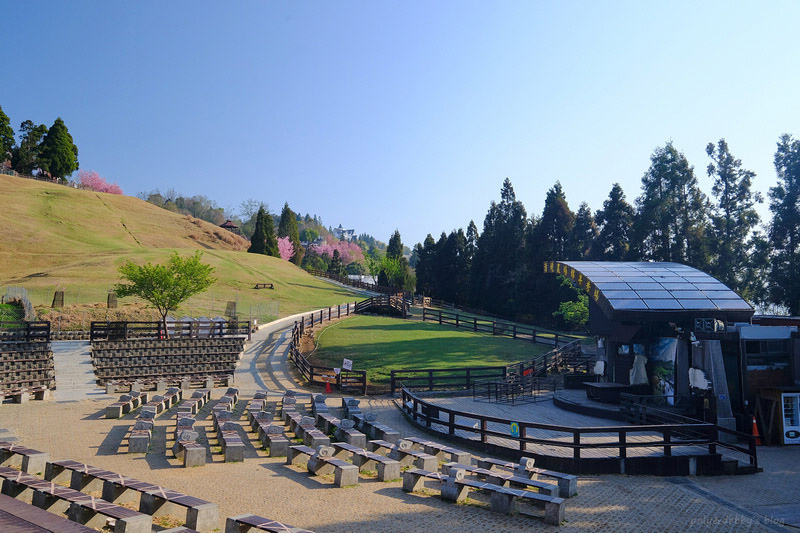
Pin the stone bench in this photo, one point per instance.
(504, 479)
(250, 522)
(152, 499)
(186, 448)
(503, 499)
(141, 431)
(327, 422)
(299, 451)
(126, 403)
(232, 444)
(567, 483)
(368, 424)
(387, 469)
(323, 462)
(346, 432)
(273, 439)
(350, 407)
(25, 459)
(196, 402)
(441, 451)
(78, 506)
(403, 453)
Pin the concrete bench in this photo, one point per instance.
(503, 499)
(441, 451)
(414, 478)
(232, 445)
(126, 404)
(350, 407)
(26, 517)
(25, 459)
(322, 462)
(346, 432)
(567, 483)
(250, 522)
(78, 506)
(141, 431)
(186, 448)
(273, 439)
(299, 451)
(403, 453)
(152, 499)
(504, 479)
(327, 422)
(387, 469)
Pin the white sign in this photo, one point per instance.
(347, 364)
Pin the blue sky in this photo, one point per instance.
(407, 115)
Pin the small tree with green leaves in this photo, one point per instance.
(166, 286)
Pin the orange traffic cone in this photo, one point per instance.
(755, 432)
(328, 390)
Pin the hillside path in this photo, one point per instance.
(75, 378)
(265, 361)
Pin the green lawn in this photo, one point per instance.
(380, 344)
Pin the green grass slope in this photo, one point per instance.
(55, 237)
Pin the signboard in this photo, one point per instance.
(515, 429)
(347, 364)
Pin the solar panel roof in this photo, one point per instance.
(657, 287)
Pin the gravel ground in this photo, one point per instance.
(267, 487)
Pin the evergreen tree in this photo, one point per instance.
(287, 227)
(259, 238)
(615, 223)
(6, 136)
(498, 256)
(784, 231)
(672, 216)
(271, 242)
(453, 268)
(553, 236)
(336, 267)
(59, 155)
(733, 218)
(426, 260)
(25, 156)
(395, 248)
(472, 239)
(584, 233)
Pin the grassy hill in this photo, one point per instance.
(54, 237)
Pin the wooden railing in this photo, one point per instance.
(354, 283)
(431, 379)
(496, 327)
(175, 330)
(480, 428)
(344, 380)
(386, 303)
(25, 331)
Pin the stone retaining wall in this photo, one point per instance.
(26, 365)
(174, 358)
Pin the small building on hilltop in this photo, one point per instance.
(344, 234)
(230, 226)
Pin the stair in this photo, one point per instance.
(75, 379)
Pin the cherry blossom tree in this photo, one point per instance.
(92, 181)
(285, 248)
(349, 252)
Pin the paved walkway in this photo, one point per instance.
(75, 379)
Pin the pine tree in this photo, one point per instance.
(615, 226)
(733, 218)
(59, 155)
(672, 216)
(259, 238)
(584, 233)
(394, 249)
(6, 136)
(25, 156)
(271, 242)
(784, 231)
(287, 227)
(336, 267)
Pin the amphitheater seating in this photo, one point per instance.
(250, 522)
(26, 370)
(176, 359)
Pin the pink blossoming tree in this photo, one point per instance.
(92, 181)
(285, 248)
(350, 252)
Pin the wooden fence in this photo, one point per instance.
(431, 379)
(496, 327)
(354, 283)
(25, 331)
(480, 428)
(155, 330)
(344, 380)
(388, 303)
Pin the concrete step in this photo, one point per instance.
(75, 379)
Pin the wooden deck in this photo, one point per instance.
(543, 411)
